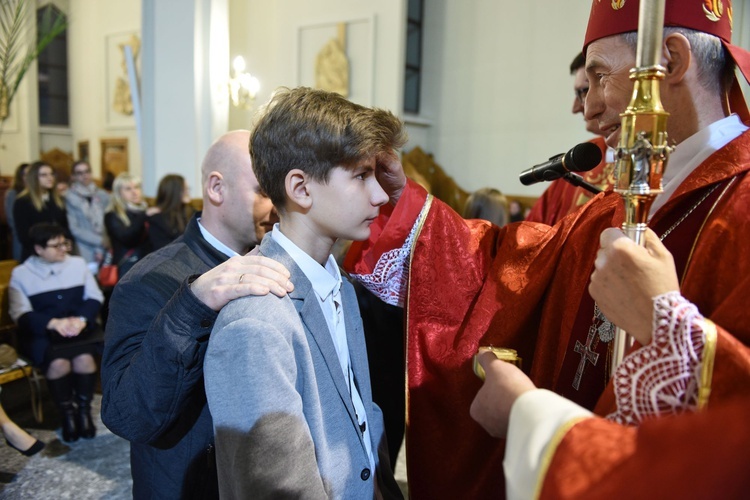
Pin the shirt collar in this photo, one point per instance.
(43, 269)
(325, 280)
(214, 242)
(693, 151)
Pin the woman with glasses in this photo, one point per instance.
(54, 300)
(38, 202)
(86, 203)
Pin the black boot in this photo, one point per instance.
(62, 394)
(84, 389)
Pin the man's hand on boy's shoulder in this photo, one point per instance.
(390, 174)
(240, 276)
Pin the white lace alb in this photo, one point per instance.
(663, 377)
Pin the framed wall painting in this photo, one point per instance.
(114, 155)
(328, 48)
(119, 106)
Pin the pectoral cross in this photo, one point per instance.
(587, 354)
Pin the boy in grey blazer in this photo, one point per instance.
(287, 379)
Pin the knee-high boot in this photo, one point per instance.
(84, 388)
(62, 393)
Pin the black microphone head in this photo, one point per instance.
(582, 157)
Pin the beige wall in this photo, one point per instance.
(496, 92)
(269, 34)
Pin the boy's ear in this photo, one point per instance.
(215, 188)
(296, 185)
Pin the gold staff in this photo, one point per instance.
(643, 151)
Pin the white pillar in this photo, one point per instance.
(185, 106)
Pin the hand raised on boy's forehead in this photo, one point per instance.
(390, 174)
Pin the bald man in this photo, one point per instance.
(161, 315)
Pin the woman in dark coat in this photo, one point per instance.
(173, 203)
(39, 202)
(126, 222)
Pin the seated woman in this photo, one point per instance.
(173, 203)
(54, 300)
(126, 222)
(38, 202)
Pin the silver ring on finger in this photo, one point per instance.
(242, 276)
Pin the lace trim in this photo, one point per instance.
(389, 278)
(664, 377)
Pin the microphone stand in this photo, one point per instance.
(578, 181)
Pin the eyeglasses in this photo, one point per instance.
(581, 94)
(65, 245)
(82, 172)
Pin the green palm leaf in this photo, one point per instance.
(14, 26)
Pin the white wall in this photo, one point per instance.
(267, 35)
(497, 88)
(496, 94)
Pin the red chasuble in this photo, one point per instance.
(703, 455)
(525, 286)
(562, 197)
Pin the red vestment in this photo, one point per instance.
(562, 197)
(703, 455)
(525, 286)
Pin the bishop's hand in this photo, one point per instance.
(390, 174)
(628, 276)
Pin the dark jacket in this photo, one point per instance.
(152, 371)
(26, 215)
(124, 238)
(160, 232)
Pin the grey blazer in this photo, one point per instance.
(284, 422)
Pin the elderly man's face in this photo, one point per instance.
(608, 63)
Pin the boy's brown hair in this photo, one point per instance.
(315, 131)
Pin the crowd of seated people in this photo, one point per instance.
(61, 237)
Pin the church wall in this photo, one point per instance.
(497, 90)
(94, 27)
(274, 39)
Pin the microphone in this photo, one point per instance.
(581, 158)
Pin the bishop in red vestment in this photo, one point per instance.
(525, 286)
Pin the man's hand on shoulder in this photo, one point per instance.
(390, 175)
(240, 276)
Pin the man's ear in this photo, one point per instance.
(297, 189)
(215, 186)
(38, 249)
(678, 57)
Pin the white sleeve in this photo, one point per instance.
(535, 419)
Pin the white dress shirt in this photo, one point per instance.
(326, 282)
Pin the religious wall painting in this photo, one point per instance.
(119, 105)
(114, 156)
(338, 56)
